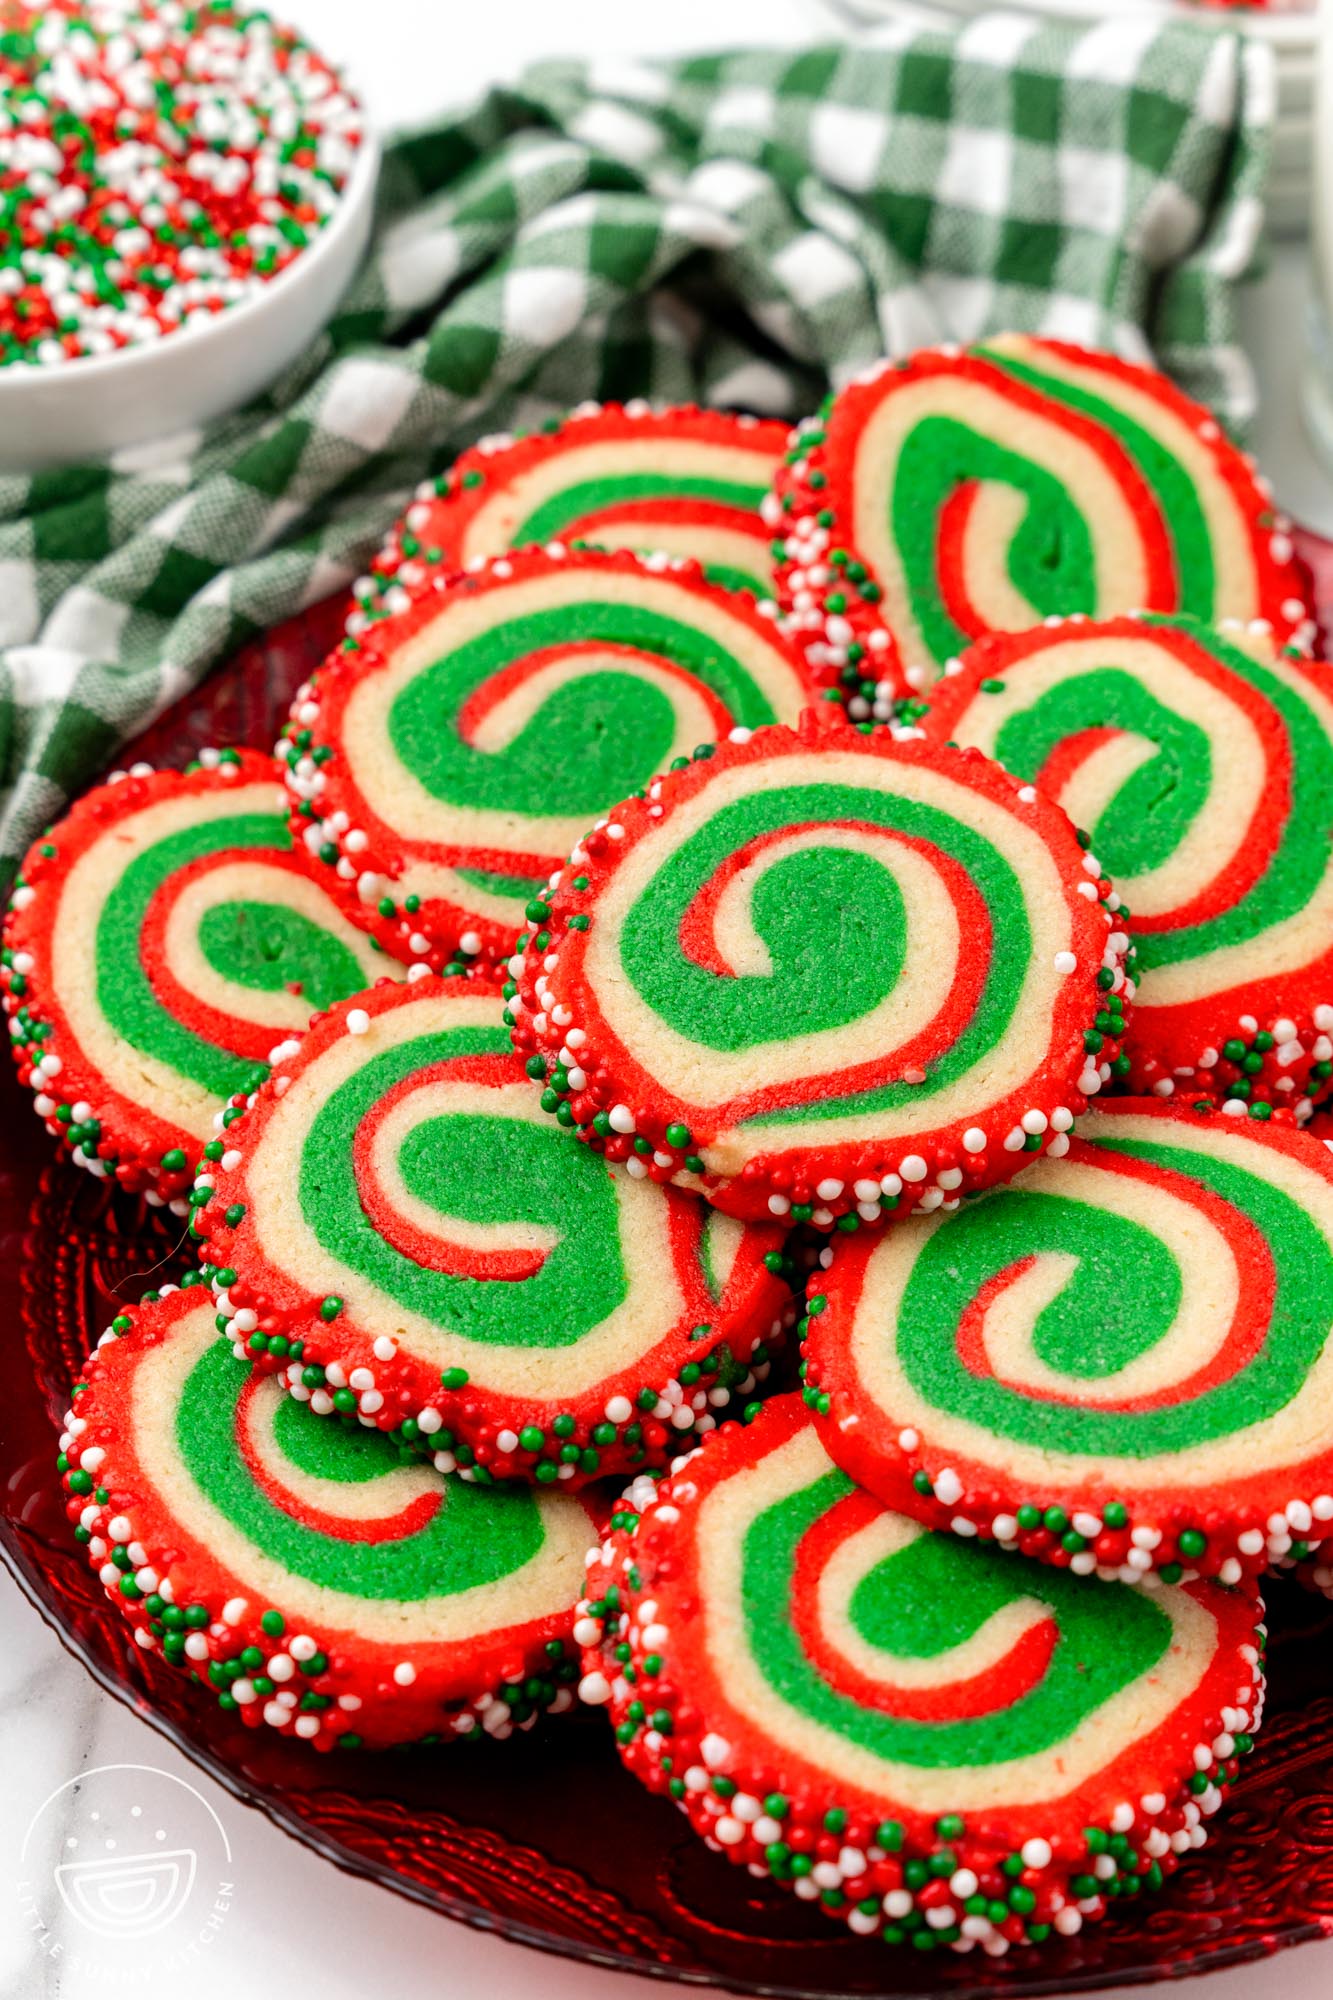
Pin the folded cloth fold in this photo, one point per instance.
(737, 228)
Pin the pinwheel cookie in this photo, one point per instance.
(936, 1741)
(685, 481)
(160, 940)
(302, 1571)
(960, 493)
(1201, 764)
(445, 764)
(825, 974)
(398, 1231)
(1123, 1363)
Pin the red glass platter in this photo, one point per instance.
(544, 1838)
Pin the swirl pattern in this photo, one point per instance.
(825, 971)
(435, 1257)
(682, 481)
(446, 766)
(1120, 1364)
(1199, 765)
(314, 1581)
(852, 1672)
(160, 941)
(960, 494)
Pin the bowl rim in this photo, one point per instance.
(18, 378)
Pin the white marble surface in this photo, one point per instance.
(267, 1917)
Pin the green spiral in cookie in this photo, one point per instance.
(1173, 489)
(438, 1250)
(984, 1244)
(475, 737)
(172, 938)
(267, 1466)
(918, 1668)
(1148, 1312)
(1199, 767)
(257, 943)
(497, 1172)
(816, 907)
(931, 1600)
(965, 493)
(595, 737)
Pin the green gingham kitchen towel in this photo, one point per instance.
(739, 228)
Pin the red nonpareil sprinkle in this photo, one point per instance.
(158, 164)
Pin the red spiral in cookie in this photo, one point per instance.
(825, 972)
(949, 1743)
(677, 481)
(960, 493)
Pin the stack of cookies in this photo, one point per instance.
(744, 1095)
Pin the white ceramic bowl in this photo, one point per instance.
(102, 403)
